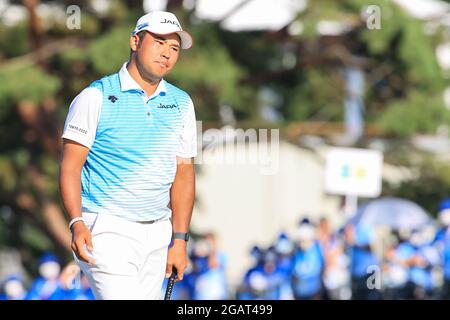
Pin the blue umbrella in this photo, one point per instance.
(393, 212)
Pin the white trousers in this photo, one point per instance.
(130, 257)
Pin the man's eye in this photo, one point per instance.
(175, 49)
(159, 42)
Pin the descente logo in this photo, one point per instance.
(167, 106)
(171, 22)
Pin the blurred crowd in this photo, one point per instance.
(354, 261)
(53, 283)
(318, 263)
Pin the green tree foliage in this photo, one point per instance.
(14, 41)
(315, 96)
(27, 82)
(429, 182)
(415, 113)
(399, 61)
(111, 45)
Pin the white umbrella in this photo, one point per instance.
(393, 212)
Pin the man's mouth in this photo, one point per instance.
(162, 64)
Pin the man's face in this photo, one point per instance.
(156, 55)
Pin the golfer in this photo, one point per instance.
(127, 174)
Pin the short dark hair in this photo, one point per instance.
(141, 36)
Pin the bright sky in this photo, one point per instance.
(273, 15)
(266, 15)
(424, 9)
(255, 15)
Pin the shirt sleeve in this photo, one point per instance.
(82, 119)
(188, 140)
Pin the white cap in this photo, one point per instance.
(163, 23)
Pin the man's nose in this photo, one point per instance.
(165, 53)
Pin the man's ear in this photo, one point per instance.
(134, 41)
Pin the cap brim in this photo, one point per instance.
(186, 39)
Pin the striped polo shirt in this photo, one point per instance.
(134, 141)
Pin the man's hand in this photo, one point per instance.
(177, 257)
(81, 237)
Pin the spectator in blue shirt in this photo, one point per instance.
(359, 240)
(308, 264)
(266, 283)
(284, 248)
(211, 283)
(243, 291)
(48, 281)
(13, 288)
(263, 281)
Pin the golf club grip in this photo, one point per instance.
(172, 280)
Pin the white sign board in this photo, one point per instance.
(354, 172)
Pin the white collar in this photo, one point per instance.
(128, 83)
